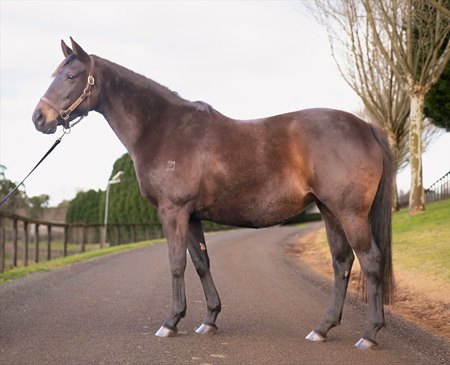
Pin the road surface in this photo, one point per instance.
(106, 311)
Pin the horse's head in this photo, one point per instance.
(68, 96)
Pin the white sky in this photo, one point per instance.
(247, 59)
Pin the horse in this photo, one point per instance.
(194, 163)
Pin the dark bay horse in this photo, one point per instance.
(194, 163)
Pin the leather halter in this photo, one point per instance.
(65, 113)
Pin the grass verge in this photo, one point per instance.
(69, 260)
(421, 243)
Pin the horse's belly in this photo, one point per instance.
(254, 213)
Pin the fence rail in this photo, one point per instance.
(440, 189)
(25, 240)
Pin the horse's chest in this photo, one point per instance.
(168, 179)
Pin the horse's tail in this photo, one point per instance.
(380, 217)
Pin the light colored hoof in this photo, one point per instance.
(165, 332)
(314, 336)
(207, 329)
(364, 344)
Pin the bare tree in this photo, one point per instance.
(441, 6)
(413, 38)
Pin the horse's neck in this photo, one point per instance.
(131, 103)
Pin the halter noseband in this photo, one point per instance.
(65, 113)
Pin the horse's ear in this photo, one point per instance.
(65, 48)
(79, 52)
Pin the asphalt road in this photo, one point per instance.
(106, 311)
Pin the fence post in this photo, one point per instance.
(2, 245)
(36, 238)
(49, 242)
(133, 233)
(117, 227)
(25, 240)
(66, 239)
(145, 226)
(83, 238)
(15, 238)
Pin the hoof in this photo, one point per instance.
(207, 329)
(364, 344)
(314, 336)
(166, 332)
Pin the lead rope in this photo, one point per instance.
(57, 142)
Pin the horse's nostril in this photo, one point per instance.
(38, 118)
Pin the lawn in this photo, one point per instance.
(421, 243)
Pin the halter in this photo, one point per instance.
(65, 113)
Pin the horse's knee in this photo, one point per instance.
(177, 271)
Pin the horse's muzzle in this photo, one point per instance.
(42, 124)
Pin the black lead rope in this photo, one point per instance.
(5, 199)
(57, 142)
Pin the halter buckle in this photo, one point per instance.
(65, 115)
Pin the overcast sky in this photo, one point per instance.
(247, 59)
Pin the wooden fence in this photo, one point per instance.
(26, 240)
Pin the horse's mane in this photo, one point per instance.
(141, 81)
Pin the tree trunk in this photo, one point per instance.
(394, 148)
(416, 194)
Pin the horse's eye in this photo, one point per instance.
(71, 77)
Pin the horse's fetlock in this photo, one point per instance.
(215, 309)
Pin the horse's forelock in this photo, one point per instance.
(65, 62)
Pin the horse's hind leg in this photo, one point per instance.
(199, 255)
(343, 257)
(358, 231)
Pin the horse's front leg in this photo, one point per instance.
(175, 221)
(199, 255)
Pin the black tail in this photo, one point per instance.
(381, 216)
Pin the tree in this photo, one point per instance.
(16, 201)
(37, 204)
(85, 208)
(412, 36)
(437, 102)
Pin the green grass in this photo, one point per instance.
(69, 260)
(421, 243)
